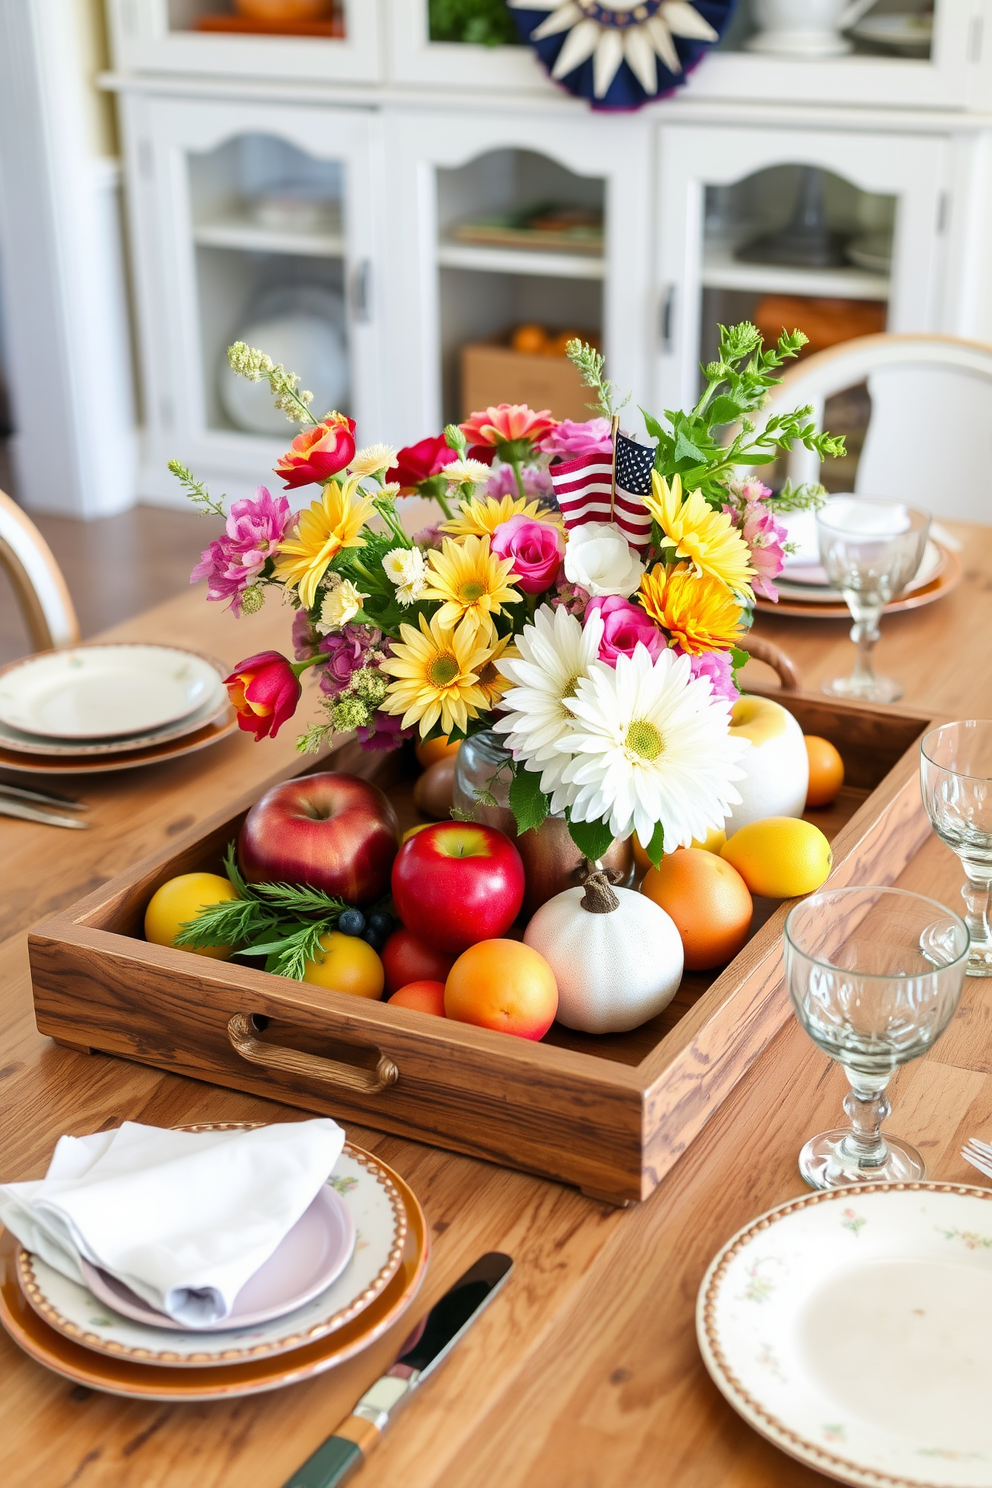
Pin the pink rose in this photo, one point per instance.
(571, 440)
(625, 626)
(536, 549)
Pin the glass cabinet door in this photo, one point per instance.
(843, 231)
(256, 224)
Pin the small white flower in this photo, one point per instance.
(405, 567)
(342, 602)
(556, 652)
(599, 559)
(373, 459)
(466, 473)
(649, 745)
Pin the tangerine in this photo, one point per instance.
(430, 751)
(505, 985)
(711, 908)
(826, 771)
(348, 965)
(530, 339)
(424, 997)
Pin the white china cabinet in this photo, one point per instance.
(412, 139)
(204, 261)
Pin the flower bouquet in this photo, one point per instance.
(585, 596)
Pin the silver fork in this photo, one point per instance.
(979, 1154)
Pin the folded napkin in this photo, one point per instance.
(182, 1218)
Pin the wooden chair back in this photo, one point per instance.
(41, 591)
(929, 440)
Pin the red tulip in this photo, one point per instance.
(265, 690)
(418, 462)
(319, 452)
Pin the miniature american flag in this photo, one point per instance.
(584, 489)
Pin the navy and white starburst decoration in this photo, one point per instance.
(620, 55)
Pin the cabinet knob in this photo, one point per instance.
(360, 292)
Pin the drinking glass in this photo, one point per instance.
(956, 781)
(875, 975)
(870, 551)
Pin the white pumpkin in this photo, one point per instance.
(616, 967)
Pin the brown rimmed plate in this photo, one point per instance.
(947, 578)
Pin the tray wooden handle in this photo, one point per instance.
(776, 658)
(241, 1031)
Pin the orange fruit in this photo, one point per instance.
(531, 339)
(429, 751)
(425, 997)
(349, 965)
(711, 908)
(505, 985)
(558, 345)
(180, 900)
(826, 771)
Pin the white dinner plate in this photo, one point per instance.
(20, 743)
(910, 33)
(852, 1328)
(102, 692)
(809, 583)
(379, 1218)
(311, 1256)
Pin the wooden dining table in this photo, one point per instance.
(585, 1371)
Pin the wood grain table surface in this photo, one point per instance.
(585, 1372)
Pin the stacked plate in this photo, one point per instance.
(113, 707)
(343, 1275)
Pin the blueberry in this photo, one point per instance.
(381, 922)
(375, 938)
(352, 922)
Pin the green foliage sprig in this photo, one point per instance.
(280, 921)
(196, 490)
(485, 22)
(737, 385)
(591, 365)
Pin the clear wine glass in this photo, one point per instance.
(956, 781)
(870, 551)
(875, 975)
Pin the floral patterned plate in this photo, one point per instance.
(851, 1328)
(379, 1216)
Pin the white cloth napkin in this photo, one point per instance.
(182, 1218)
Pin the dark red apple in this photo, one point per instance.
(405, 959)
(335, 832)
(456, 883)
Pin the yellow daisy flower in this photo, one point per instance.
(480, 518)
(695, 609)
(473, 583)
(491, 681)
(437, 671)
(707, 538)
(322, 531)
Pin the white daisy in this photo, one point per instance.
(649, 745)
(405, 567)
(342, 602)
(556, 654)
(372, 460)
(466, 473)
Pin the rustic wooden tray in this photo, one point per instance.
(609, 1114)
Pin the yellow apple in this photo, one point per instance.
(776, 766)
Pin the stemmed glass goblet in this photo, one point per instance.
(870, 551)
(875, 975)
(956, 781)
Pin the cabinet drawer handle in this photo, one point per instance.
(241, 1031)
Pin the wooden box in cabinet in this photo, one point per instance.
(492, 374)
(610, 1114)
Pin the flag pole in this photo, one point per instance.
(614, 431)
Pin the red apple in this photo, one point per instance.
(335, 832)
(406, 959)
(456, 883)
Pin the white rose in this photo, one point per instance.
(600, 559)
(342, 602)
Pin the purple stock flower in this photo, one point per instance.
(231, 563)
(384, 732)
(503, 482)
(305, 638)
(346, 653)
(570, 440)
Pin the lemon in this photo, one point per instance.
(349, 965)
(780, 857)
(712, 842)
(181, 899)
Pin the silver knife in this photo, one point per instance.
(41, 798)
(31, 813)
(430, 1343)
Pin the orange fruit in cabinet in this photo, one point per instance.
(431, 751)
(181, 900)
(349, 965)
(505, 985)
(558, 345)
(711, 907)
(424, 997)
(530, 339)
(826, 771)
